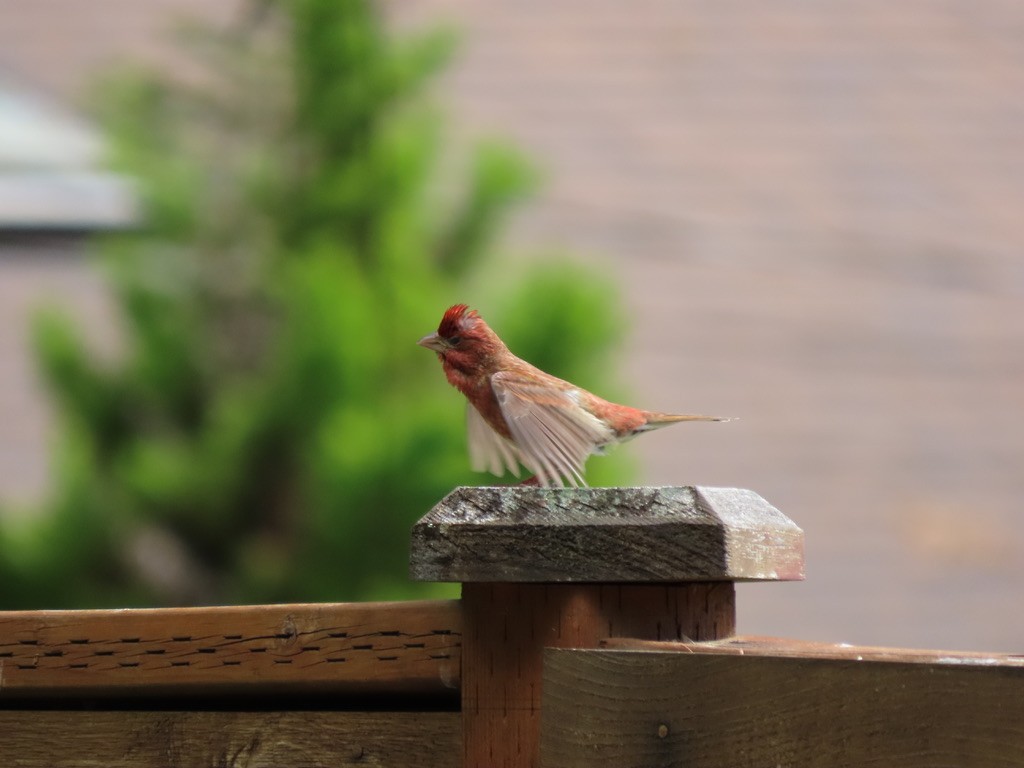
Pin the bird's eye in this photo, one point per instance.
(455, 340)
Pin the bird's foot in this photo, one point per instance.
(529, 481)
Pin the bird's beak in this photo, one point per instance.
(433, 341)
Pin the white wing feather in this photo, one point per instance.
(553, 434)
(488, 451)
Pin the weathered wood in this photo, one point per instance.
(85, 739)
(524, 534)
(645, 708)
(364, 648)
(507, 626)
(759, 645)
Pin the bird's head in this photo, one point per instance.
(463, 340)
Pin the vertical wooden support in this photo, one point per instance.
(507, 626)
(570, 568)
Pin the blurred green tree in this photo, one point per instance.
(270, 431)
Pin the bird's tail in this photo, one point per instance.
(655, 420)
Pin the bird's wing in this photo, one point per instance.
(553, 432)
(488, 451)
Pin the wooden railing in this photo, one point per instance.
(356, 649)
(596, 627)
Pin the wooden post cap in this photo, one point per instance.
(671, 534)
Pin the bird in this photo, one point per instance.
(519, 415)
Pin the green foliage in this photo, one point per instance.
(270, 430)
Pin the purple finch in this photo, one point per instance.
(520, 415)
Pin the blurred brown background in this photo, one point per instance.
(814, 212)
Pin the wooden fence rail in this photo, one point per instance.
(410, 648)
(755, 701)
(596, 627)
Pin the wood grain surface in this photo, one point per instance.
(667, 709)
(524, 534)
(759, 645)
(364, 648)
(85, 739)
(507, 626)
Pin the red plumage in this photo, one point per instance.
(521, 415)
(450, 322)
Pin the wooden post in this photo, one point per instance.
(570, 568)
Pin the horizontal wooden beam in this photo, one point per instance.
(731, 710)
(759, 645)
(343, 648)
(51, 739)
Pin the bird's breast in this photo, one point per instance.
(487, 405)
(480, 394)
